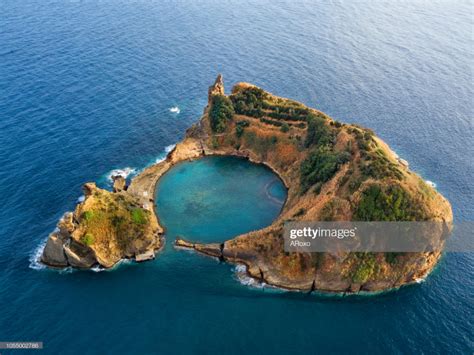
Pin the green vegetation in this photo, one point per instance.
(255, 102)
(116, 217)
(331, 210)
(249, 102)
(139, 216)
(88, 239)
(88, 215)
(318, 133)
(239, 130)
(323, 161)
(285, 127)
(392, 257)
(391, 203)
(364, 138)
(239, 127)
(374, 163)
(272, 122)
(221, 112)
(320, 166)
(261, 145)
(286, 108)
(366, 267)
(291, 116)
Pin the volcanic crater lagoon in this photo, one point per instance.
(215, 198)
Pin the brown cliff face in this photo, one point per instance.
(281, 134)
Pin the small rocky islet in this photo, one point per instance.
(333, 172)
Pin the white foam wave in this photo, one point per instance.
(163, 156)
(125, 173)
(169, 148)
(242, 276)
(81, 199)
(420, 280)
(121, 262)
(35, 257)
(175, 109)
(431, 183)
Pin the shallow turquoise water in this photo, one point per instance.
(215, 198)
(86, 87)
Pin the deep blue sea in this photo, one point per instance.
(87, 86)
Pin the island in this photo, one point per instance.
(333, 172)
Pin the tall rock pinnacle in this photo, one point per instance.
(217, 88)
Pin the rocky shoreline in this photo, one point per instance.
(262, 251)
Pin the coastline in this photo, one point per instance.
(261, 250)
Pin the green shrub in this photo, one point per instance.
(317, 188)
(284, 127)
(88, 215)
(378, 166)
(239, 130)
(221, 111)
(272, 122)
(139, 216)
(391, 203)
(291, 116)
(249, 102)
(392, 257)
(88, 239)
(366, 266)
(320, 166)
(292, 107)
(318, 133)
(243, 123)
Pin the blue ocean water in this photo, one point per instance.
(86, 87)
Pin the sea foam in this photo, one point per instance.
(125, 173)
(35, 257)
(163, 155)
(240, 271)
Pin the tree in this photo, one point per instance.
(221, 111)
(285, 127)
(318, 133)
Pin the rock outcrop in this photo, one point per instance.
(120, 184)
(217, 88)
(104, 229)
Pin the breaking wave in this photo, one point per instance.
(35, 256)
(163, 155)
(125, 173)
(242, 276)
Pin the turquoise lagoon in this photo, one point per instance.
(215, 198)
